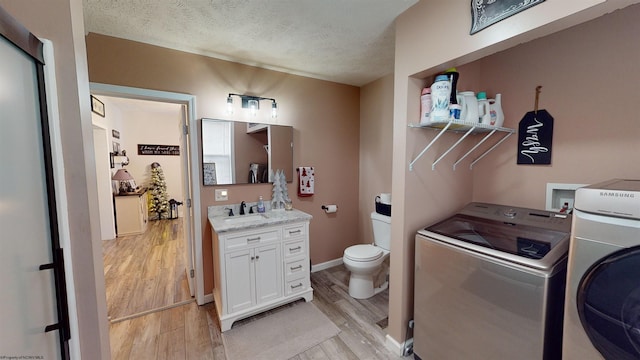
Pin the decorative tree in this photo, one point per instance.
(158, 202)
(276, 197)
(283, 184)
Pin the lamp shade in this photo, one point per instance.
(121, 175)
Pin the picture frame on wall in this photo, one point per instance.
(97, 106)
(209, 174)
(115, 147)
(485, 13)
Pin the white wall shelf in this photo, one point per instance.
(466, 129)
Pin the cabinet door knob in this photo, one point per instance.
(257, 257)
(253, 258)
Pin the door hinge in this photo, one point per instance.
(192, 273)
(185, 129)
(188, 203)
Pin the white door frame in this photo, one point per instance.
(190, 102)
(105, 191)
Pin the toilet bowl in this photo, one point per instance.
(364, 261)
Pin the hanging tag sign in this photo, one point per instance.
(535, 135)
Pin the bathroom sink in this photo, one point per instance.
(244, 218)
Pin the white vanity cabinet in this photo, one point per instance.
(259, 268)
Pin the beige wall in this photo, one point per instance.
(376, 149)
(589, 87)
(432, 36)
(61, 22)
(325, 117)
(163, 128)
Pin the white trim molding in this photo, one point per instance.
(326, 265)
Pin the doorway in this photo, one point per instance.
(173, 240)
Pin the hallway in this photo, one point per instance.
(146, 271)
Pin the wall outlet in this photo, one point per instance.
(222, 195)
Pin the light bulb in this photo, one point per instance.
(253, 107)
(229, 105)
(274, 110)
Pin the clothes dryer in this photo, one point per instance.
(602, 303)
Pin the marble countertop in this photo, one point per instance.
(223, 223)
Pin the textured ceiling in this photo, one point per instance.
(346, 41)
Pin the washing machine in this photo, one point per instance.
(602, 306)
(489, 284)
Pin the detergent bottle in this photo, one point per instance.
(495, 110)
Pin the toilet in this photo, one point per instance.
(364, 260)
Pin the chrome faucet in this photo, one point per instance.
(242, 206)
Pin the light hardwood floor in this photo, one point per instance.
(146, 271)
(191, 331)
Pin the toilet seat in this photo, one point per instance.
(363, 253)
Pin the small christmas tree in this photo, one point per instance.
(158, 202)
(276, 197)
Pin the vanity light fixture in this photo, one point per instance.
(252, 103)
(229, 105)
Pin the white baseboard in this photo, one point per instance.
(326, 265)
(396, 347)
(208, 298)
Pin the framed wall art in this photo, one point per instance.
(485, 13)
(97, 106)
(209, 174)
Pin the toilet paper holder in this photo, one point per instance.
(330, 208)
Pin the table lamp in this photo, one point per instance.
(122, 175)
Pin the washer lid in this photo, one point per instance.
(363, 252)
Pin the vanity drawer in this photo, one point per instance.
(294, 231)
(249, 238)
(294, 248)
(296, 269)
(295, 286)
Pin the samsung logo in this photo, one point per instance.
(616, 194)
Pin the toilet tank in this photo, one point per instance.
(381, 230)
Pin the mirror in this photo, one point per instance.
(236, 152)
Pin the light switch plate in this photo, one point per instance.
(222, 195)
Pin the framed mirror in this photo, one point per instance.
(236, 152)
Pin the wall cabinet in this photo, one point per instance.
(259, 269)
(131, 213)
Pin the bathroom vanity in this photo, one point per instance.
(260, 261)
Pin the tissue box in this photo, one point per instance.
(383, 209)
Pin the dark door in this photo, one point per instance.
(608, 303)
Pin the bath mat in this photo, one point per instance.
(281, 335)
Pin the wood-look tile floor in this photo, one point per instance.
(146, 271)
(192, 332)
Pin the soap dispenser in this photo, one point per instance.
(260, 205)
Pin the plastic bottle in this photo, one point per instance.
(484, 110)
(440, 97)
(453, 76)
(497, 116)
(260, 205)
(425, 106)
